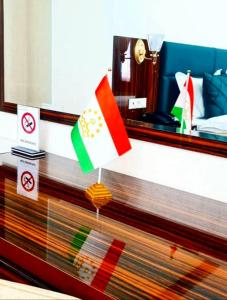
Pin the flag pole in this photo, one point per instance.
(100, 175)
(97, 213)
(109, 75)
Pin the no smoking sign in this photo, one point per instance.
(28, 123)
(28, 127)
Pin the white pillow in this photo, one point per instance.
(216, 124)
(219, 72)
(199, 110)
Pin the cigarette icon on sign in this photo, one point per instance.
(28, 123)
(27, 181)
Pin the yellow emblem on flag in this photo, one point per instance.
(91, 123)
(85, 267)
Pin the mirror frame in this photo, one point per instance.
(143, 133)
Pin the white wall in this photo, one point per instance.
(189, 171)
(199, 22)
(82, 50)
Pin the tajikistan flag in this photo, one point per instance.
(99, 135)
(95, 256)
(183, 108)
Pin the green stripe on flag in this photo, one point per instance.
(177, 112)
(80, 238)
(81, 150)
(78, 241)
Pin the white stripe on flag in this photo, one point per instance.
(100, 147)
(92, 253)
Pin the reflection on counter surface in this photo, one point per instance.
(107, 255)
(118, 259)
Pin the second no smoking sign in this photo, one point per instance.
(27, 181)
(28, 178)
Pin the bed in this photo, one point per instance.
(208, 70)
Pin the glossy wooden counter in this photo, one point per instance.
(149, 242)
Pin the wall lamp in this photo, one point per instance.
(155, 42)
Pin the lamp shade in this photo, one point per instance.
(155, 41)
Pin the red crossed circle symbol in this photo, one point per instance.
(28, 123)
(27, 181)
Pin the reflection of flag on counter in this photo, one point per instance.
(183, 108)
(99, 135)
(96, 256)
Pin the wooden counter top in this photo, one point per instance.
(150, 241)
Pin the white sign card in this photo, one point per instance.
(28, 178)
(28, 127)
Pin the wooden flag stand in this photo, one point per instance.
(98, 194)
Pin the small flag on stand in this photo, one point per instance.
(183, 108)
(99, 136)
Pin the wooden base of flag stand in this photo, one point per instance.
(98, 194)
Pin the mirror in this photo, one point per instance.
(72, 44)
(49, 52)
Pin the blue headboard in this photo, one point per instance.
(175, 57)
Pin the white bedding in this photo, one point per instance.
(198, 122)
(216, 125)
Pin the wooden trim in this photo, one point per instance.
(145, 134)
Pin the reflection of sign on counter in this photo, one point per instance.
(27, 181)
(27, 178)
(28, 127)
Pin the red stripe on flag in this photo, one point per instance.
(191, 94)
(108, 264)
(112, 116)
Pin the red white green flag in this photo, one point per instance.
(183, 108)
(99, 135)
(95, 256)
